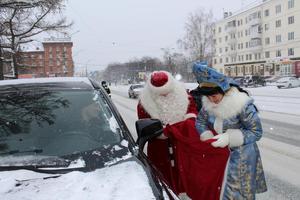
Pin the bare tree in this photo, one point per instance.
(198, 39)
(22, 20)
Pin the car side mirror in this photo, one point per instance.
(147, 129)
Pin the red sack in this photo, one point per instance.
(200, 166)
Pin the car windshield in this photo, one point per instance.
(137, 86)
(48, 122)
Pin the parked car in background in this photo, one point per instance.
(253, 81)
(288, 82)
(135, 90)
(62, 138)
(272, 79)
(239, 80)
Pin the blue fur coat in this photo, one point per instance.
(236, 115)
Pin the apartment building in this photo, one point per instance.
(261, 40)
(52, 59)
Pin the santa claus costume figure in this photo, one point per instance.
(166, 99)
(187, 164)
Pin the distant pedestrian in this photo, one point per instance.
(105, 86)
(230, 111)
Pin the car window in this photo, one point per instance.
(137, 86)
(55, 122)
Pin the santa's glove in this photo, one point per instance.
(206, 135)
(232, 137)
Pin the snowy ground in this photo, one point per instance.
(281, 158)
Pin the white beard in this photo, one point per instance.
(169, 109)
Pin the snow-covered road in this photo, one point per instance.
(280, 152)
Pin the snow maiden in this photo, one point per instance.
(230, 111)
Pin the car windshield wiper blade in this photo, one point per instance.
(18, 151)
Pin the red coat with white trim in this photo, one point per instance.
(158, 150)
(177, 156)
(166, 99)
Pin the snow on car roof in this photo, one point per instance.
(46, 80)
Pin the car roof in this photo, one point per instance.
(58, 82)
(46, 80)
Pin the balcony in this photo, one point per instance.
(230, 29)
(254, 21)
(231, 41)
(255, 35)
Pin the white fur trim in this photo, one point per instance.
(231, 105)
(218, 125)
(206, 135)
(236, 137)
(184, 196)
(190, 115)
(224, 178)
(166, 88)
(170, 108)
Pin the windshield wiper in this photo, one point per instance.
(18, 151)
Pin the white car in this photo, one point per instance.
(288, 82)
(135, 90)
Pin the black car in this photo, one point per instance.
(253, 81)
(62, 138)
(135, 90)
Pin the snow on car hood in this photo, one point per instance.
(127, 180)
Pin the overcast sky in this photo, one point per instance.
(108, 31)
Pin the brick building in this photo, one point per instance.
(54, 60)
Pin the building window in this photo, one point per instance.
(221, 60)
(215, 61)
(278, 9)
(226, 49)
(267, 40)
(267, 13)
(266, 27)
(278, 53)
(290, 51)
(278, 23)
(291, 4)
(278, 38)
(220, 29)
(226, 38)
(291, 20)
(267, 54)
(291, 36)
(50, 49)
(226, 59)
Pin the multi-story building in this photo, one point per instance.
(54, 59)
(261, 40)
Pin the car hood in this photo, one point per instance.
(126, 180)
